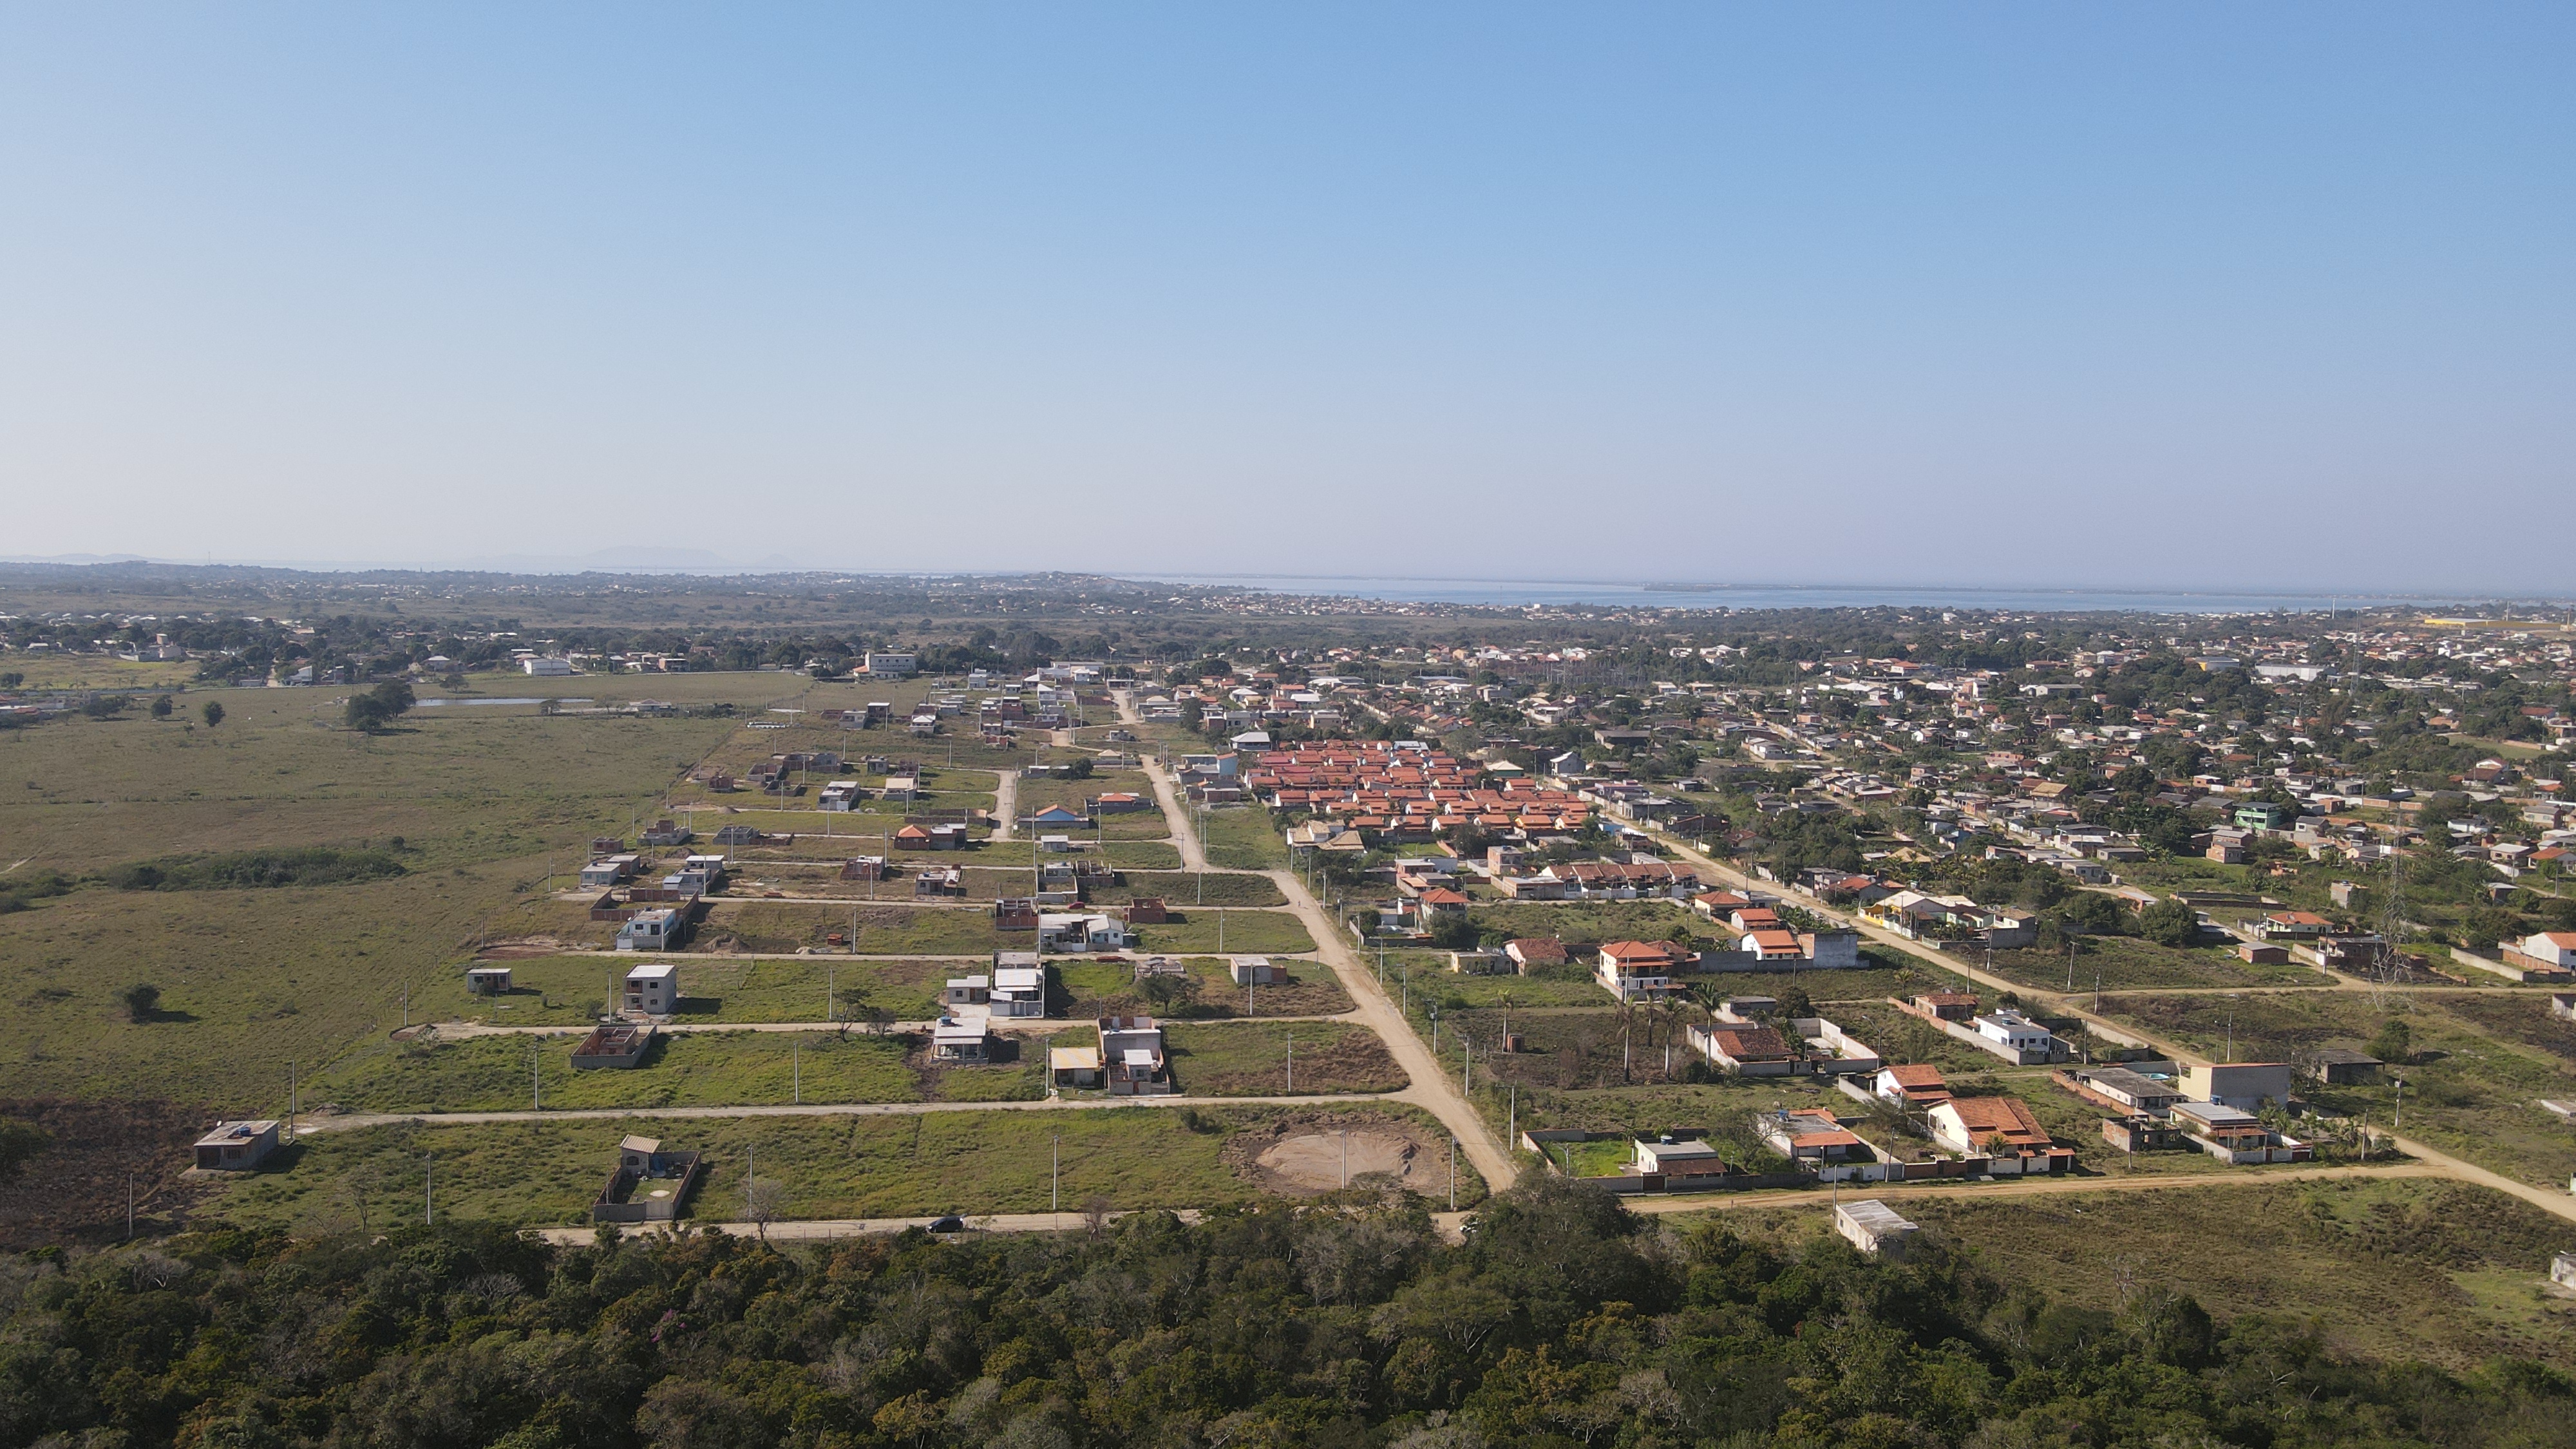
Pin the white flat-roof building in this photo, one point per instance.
(1873, 1227)
(236, 1146)
(653, 990)
(654, 930)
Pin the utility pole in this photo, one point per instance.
(1453, 1172)
(1292, 1062)
(796, 1072)
(290, 1099)
(536, 1084)
(428, 1210)
(1512, 1116)
(1055, 1196)
(129, 1197)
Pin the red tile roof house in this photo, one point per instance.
(1532, 951)
(1914, 1084)
(1747, 1051)
(1633, 969)
(2000, 1129)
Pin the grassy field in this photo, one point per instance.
(1098, 988)
(561, 990)
(1244, 933)
(1242, 838)
(2121, 963)
(1249, 1059)
(486, 805)
(1185, 888)
(693, 1069)
(884, 930)
(831, 1167)
(1139, 825)
(1592, 921)
(1142, 855)
(2398, 1269)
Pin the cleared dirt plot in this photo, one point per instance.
(76, 1191)
(1250, 1059)
(1302, 1155)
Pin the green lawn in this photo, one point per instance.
(1142, 855)
(832, 1167)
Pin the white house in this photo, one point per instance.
(898, 665)
(655, 930)
(2009, 1028)
(653, 990)
(547, 668)
(1073, 932)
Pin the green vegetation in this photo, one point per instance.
(1541, 1329)
(1247, 932)
(572, 990)
(317, 865)
(1253, 1059)
(842, 1166)
(2125, 963)
(1242, 837)
(680, 1069)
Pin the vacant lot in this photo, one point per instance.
(1184, 889)
(693, 1069)
(779, 926)
(1208, 992)
(1241, 837)
(2399, 1269)
(831, 1167)
(565, 990)
(1250, 1059)
(2119, 963)
(1235, 933)
(1593, 922)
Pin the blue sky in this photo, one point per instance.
(1999, 294)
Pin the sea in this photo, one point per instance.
(1522, 593)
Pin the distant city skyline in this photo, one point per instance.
(2126, 298)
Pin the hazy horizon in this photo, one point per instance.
(2182, 297)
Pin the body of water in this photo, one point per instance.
(1516, 593)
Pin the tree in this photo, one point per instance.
(764, 1201)
(214, 714)
(2394, 1043)
(107, 706)
(2170, 923)
(161, 707)
(376, 708)
(20, 1143)
(142, 1001)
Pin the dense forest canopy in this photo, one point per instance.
(1562, 1320)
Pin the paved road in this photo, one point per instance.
(1006, 803)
